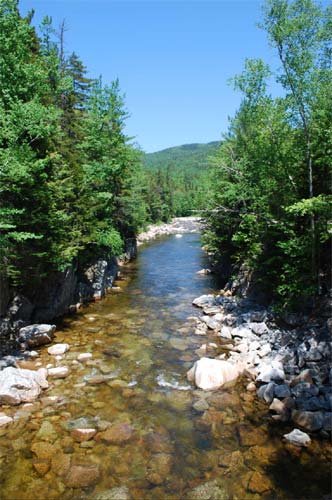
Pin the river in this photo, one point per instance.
(157, 436)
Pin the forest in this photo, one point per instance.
(74, 185)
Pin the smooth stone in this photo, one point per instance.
(58, 349)
(84, 356)
(81, 435)
(210, 374)
(298, 438)
(58, 372)
(82, 476)
(5, 420)
(117, 434)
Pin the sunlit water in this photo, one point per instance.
(142, 345)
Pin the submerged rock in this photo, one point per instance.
(209, 374)
(18, 385)
(82, 476)
(58, 349)
(120, 493)
(208, 491)
(159, 468)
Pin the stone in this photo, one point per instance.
(81, 435)
(258, 328)
(270, 372)
(159, 468)
(209, 374)
(44, 450)
(61, 464)
(46, 432)
(241, 331)
(200, 406)
(264, 350)
(41, 466)
(266, 392)
(327, 422)
(225, 332)
(18, 385)
(5, 420)
(117, 434)
(58, 372)
(213, 322)
(84, 356)
(208, 491)
(298, 438)
(36, 335)
(120, 493)
(82, 476)
(308, 420)
(259, 483)
(205, 300)
(58, 349)
(282, 391)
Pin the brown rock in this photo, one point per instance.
(259, 483)
(61, 464)
(117, 434)
(81, 435)
(41, 466)
(81, 476)
(158, 468)
(251, 437)
(43, 450)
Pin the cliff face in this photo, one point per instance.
(58, 294)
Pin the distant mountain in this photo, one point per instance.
(189, 157)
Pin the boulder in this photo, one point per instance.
(209, 374)
(298, 438)
(18, 385)
(36, 335)
(58, 349)
(308, 420)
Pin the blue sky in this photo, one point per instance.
(173, 59)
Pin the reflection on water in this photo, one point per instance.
(155, 436)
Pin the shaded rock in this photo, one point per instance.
(117, 434)
(282, 391)
(209, 374)
(327, 422)
(308, 420)
(159, 468)
(82, 476)
(208, 491)
(18, 385)
(58, 349)
(58, 372)
(259, 483)
(232, 461)
(266, 392)
(36, 335)
(298, 438)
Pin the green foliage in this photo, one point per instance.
(271, 202)
(71, 183)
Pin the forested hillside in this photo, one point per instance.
(177, 179)
(70, 179)
(271, 203)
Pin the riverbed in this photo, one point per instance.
(155, 435)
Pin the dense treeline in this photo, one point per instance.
(71, 183)
(272, 176)
(177, 180)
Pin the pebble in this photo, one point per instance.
(58, 349)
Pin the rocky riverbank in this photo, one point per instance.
(289, 365)
(178, 226)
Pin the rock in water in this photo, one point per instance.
(298, 437)
(209, 374)
(18, 385)
(36, 335)
(57, 349)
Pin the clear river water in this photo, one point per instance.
(154, 435)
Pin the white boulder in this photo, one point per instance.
(209, 374)
(18, 385)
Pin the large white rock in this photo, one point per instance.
(209, 374)
(18, 385)
(58, 349)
